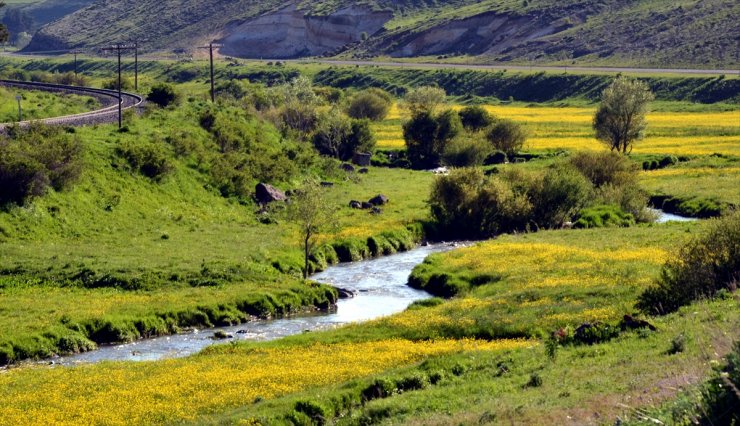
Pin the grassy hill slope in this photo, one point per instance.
(642, 33)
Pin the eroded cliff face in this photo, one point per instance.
(487, 33)
(289, 33)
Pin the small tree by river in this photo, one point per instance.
(311, 211)
(620, 119)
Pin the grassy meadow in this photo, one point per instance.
(38, 104)
(150, 256)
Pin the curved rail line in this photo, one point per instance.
(107, 114)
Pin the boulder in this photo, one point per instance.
(355, 204)
(327, 184)
(362, 159)
(379, 200)
(266, 194)
(366, 205)
(363, 170)
(376, 210)
(631, 323)
(347, 167)
(344, 293)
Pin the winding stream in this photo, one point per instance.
(379, 286)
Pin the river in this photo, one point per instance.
(380, 290)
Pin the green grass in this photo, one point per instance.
(37, 104)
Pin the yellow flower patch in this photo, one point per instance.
(182, 389)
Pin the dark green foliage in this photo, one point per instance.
(341, 137)
(475, 118)
(562, 192)
(689, 206)
(427, 135)
(112, 84)
(233, 89)
(678, 345)
(702, 268)
(372, 104)
(506, 136)
(526, 87)
(535, 381)
(151, 159)
(466, 151)
(163, 94)
(415, 381)
(721, 397)
(605, 168)
(603, 216)
(315, 411)
(620, 119)
(380, 388)
(35, 159)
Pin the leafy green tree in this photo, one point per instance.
(311, 211)
(426, 136)
(620, 119)
(163, 94)
(369, 104)
(475, 118)
(425, 99)
(507, 136)
(332, 133)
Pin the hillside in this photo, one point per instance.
(642, 33)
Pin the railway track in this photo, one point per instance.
(108, 98)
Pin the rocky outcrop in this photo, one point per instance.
(290, 33)
(266, 193)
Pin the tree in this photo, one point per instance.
(426, 136)
(425, 99)
(333, 131)
(162, 94)
(369, 104)
(506, 136)
(475, 118)
(4, 34)
(312, 213)
(620, 119)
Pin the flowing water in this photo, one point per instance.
(379, 286)
(664, 217)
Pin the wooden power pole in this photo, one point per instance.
(118, 48)
(210, 54)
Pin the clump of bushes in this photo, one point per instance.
(468, 204)
(37, 158)
(506, 136)
(163, 94)
(341, 137)
(475, 118)
(427, 134)
(372, 104)
(704, 267)
(151, 159)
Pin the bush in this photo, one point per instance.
(603, 216)
(148, 158)
(36, 158)
(341, 137)
(560, 194)
(426, 136)
(605, 168)
(701, 269)
(506, 136)
(112, 84)
(424, 100)
(475, 118)
(370, 105)
(466, 151)
(233, 89)
(162, 94)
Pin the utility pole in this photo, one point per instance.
(75, 53)
(210, 52)
(20, 111)
(118, 48)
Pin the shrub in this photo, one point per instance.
(380, 388)
(231, 89)
(370, 105)
(426, 136)
(163, 94)
(603, 216)
(148, 158)
(315, 411)
(36, 158)
(605, 168)
(424, 100)
(506, 136)
(701, 269)
(465, 151)
(475, 118)
(560, 194)
(112, 84)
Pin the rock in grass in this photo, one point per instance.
(266, 193)
(379, 200)
(355, 204)
(347, 167)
